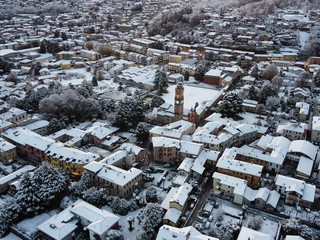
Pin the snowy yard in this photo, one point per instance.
(252, 118)
(29, 225)
(192, 94)
(124, 225)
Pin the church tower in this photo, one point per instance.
(178, 102)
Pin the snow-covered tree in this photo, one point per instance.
(316, 79)
(260, 109)
(270, 72)
(253, 93)
(95, 196)
(129, 112)
(27, 196)
(219, 214)
(142, 131)
(302, 79)
(151, 195)
(70, 103)
(94, 81)
(255, 72)
(107, 105)
(151, 218)
(157, 101)
(255, 222)
(186, 76)
(83, 184)
(267, 90)
(5, 221)
(161, 81)
(293, 226)
(5, 66)
(100, 75)
(231, 105)
(226, 231)
(52, 183)
(277, 81)
(120, 206)
(272, 103)
(113, 234)
(55, 125)
(200, 71)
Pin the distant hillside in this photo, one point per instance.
(177, 23)
(258, 7)
(182, 23)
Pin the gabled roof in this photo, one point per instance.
(167, 232)
(303, 147)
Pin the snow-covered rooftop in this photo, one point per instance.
(238, 184)
(167, 232)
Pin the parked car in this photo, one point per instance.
(207, 225)
(201, 219)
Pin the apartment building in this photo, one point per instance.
(117, 181)
(244, 170)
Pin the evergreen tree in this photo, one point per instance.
(157, 101)
(151, 195)
(316, 79)
(56, 33)
(37, 69)
(27, 197)
(43, 46)
(129, 112)
(231, 105)
(94, 81)
(253, 93)
(267, 90)
(186, 75)
(64, 37)
(161, 81)
(255, 72)
(151, 218)
(200, 71)
(142, 131)
(5, 66)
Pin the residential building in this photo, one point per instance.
(8, 151)
(296, 192)
(244, 170)
(293, 131)
(14, 115)
(63, 225)
(117, 181)
(230, 186)
(248, 233)
(70, 159)
(167, 232)
(173, 130)
(6, 180)
(174, 151)
(315, 130)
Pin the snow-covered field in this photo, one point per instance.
(192, 94)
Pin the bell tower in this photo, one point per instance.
(178, 102)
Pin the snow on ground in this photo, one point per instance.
(29, 225)
(192, 94)
(251, 118)
(304, 38)
(124, 225)
(11, 236)
(267, 226)
(109, 89)
(298, 17)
